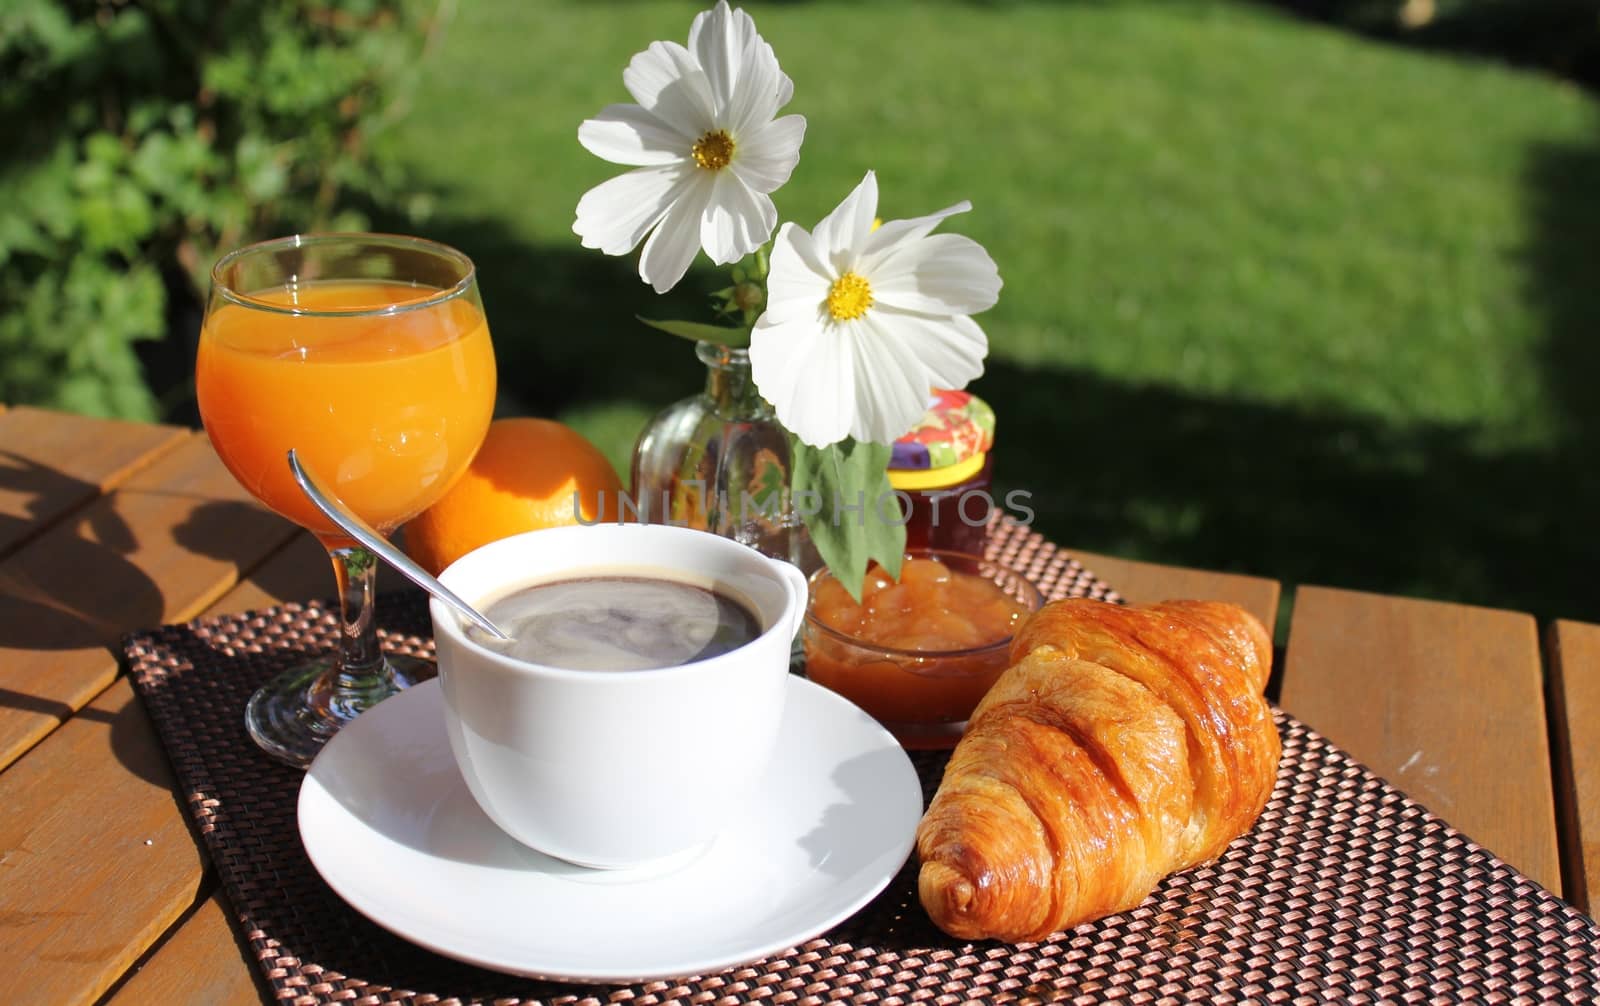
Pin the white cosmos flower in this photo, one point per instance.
(708, 147)
(862, 324)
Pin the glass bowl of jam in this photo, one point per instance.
(918, 654)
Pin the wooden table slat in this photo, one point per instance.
(1445, 701)
(297, 571)
(1575, 723)
(162, 546)
(1146, 583)
(53, 462)
(98, 854)
(201, 960)
(202, 964)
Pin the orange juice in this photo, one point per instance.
(386, 409)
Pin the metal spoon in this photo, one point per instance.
(334, 509)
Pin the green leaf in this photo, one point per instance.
(738, 338)
(104, 149)
(261, 169)
(849, 480)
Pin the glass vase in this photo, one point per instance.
(720, 461)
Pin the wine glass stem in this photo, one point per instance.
(363, 676)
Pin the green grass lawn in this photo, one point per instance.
(1278, 299)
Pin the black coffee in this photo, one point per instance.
(620, 623)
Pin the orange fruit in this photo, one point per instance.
(522, 478)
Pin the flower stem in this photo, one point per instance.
(749, 291)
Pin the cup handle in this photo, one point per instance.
(799, 590)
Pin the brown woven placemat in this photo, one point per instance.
(1345, 890)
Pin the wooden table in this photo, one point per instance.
(105, 527)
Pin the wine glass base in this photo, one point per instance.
(294, 714)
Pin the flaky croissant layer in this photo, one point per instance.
(1125, 743)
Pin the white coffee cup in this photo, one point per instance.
(616, 768)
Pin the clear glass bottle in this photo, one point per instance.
(720, 461)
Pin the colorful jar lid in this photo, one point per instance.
(957, 427)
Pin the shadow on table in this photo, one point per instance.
(130, 733)
(307, 575)
(85, 593)
(85, 596)
(47, 489)
(76, 592)
(132, 738)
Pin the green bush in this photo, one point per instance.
(139, 137)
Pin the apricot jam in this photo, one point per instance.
(921, 652)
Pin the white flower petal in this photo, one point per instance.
(950, 348)
(755, 100)
(797, 281)
(807, 371)
(938, 274)
(765, 158)
(840, 234)
(747, 86)
(671, 247)
(892, 384)
(667, 81)
(615, 215)
(627, 134)
(795, 262)
(774, 354)
(719, 39)
(811, 308)
(894, 233)
(737, 221)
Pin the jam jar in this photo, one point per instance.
(942, 468)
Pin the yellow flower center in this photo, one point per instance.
(713, 151)
(850, 297)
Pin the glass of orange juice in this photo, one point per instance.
(369, 354)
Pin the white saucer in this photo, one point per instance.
(390, 825)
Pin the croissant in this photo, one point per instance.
(1123, 744)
